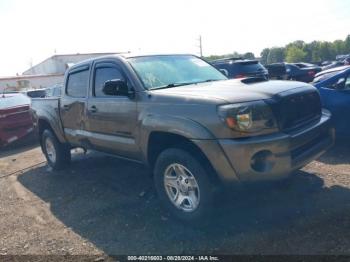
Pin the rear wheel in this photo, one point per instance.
(183, 185)
(57, 154)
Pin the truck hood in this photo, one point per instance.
(232, 91)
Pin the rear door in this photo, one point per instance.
(111, 119)
(338, 102)
(73, 104)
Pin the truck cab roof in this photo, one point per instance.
(125, 55)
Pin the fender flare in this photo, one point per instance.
(55, 126)
(184, 127)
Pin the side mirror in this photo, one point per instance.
(116, 87)
(224, 71)
(340, 84)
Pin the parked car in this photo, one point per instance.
(304, 65)
(328, 73)
(181, 117)
(301, 71)
(325, 63)
(54, 91)
(240, 68)
(334, 64)
(342, 57)
(16, 117)
(346, 61)
(334, 88)
(304, 72)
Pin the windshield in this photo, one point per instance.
(173, 70)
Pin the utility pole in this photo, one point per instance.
(200, 46)
(30, 62)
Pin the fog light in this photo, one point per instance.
(263, 161)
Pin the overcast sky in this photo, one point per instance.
(33, 30)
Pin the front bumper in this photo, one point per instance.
(288, 152)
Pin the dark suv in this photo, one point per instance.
(240, 68)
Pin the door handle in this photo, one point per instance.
(93, 109)
(65, 107)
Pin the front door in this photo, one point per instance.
(338, 102)
(111, 120)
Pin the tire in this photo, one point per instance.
(57, 154)
(193, 212)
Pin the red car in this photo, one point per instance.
(16, 118)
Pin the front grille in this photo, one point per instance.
(296, 110)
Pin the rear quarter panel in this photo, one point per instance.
(47, 110)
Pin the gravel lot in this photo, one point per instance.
(102, 205)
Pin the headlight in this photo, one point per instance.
(250, 117)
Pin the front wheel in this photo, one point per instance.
(57, 154)
(183, 185)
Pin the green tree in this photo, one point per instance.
(295, 54)
(299, 43)
(347, 45)
(214, 57)
(308, 50)
(275, 55)
(248, 55)
(264, 54)
(338, 47)
(326, 51)
(314, 52)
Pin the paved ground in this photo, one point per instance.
(104, 205)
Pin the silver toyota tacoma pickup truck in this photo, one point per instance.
(184, 119)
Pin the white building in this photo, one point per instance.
(17, 83)
(47, 73)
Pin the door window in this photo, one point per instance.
(77, 84)
(103, 74)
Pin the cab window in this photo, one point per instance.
(77, 84)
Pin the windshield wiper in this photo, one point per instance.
(210, 80)
(173, 85)
(183, 84)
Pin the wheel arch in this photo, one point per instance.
(159, 141)
(44, 123)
